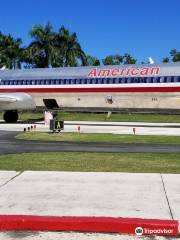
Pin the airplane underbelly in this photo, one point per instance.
(118, 100)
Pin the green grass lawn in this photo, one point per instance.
(92, 162)
(119, 117)
(115, 117)
(99, 137)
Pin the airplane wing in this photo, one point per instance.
(7, 99)
(16, 101)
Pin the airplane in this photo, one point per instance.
(101, 88)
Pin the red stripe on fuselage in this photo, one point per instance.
(92, 90)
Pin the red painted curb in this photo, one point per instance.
(89, 224)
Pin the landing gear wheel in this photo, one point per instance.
(11, 116)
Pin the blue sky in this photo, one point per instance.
(142, 28)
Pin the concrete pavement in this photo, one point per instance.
(74, 236)
(105, 127)
(6, 176)
(172, 186)
(138, 195)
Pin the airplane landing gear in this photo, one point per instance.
(11, 116)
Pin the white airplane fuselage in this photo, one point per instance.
(107, 87)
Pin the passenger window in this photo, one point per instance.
(123, 80)
(77, 81)
(111, 80)
(99, 81)
(60, 81)
(47, 82)
(102, 80)
(169, 79)
(72, 81)
(67, 81)
(149, 80)
(116, 80)
(176, 79)
(155, 80)
(83, 81)
(165, 79)
(137, 80)
(89, 81)
(105, 81)
(7, 82)
(161, 79)
(129, 80)
(94, 81)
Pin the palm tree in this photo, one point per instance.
(42, 51)
(165, 60)
(113, 60)
(10, 51)
(128, 59)
(175, 55)
(92, 61)
(71, 50)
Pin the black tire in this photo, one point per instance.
(11, 116)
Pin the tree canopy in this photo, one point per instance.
(174, 56)
(10, 51)
(49, 48)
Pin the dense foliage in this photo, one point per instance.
(56, 49)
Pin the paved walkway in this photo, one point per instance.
(105, 127)
(73, 236)
(155, 196)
